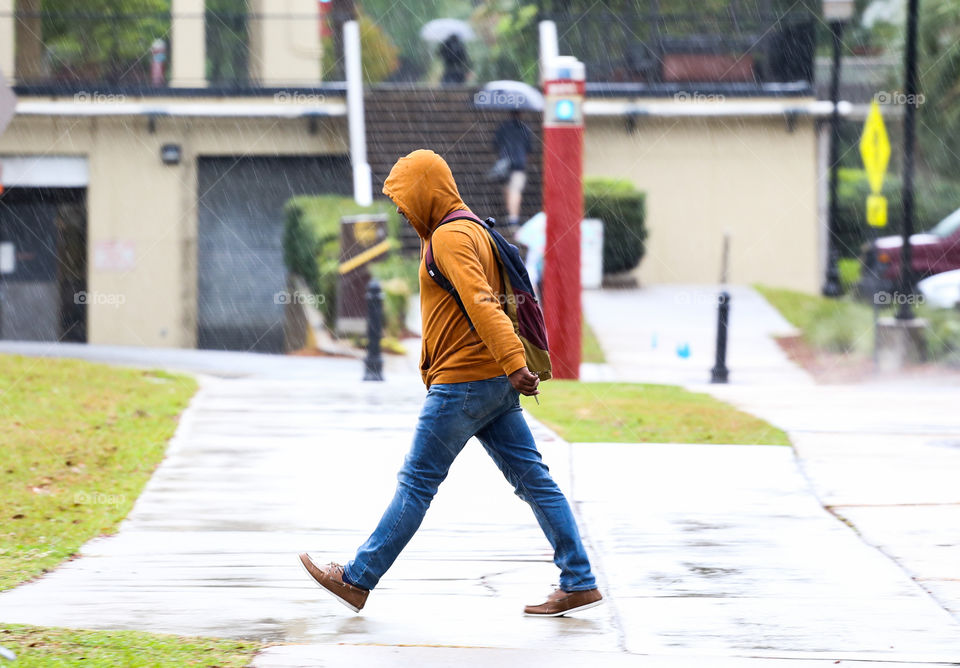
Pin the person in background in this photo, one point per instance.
(514, 141)
(456, 62)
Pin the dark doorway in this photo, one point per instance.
(43, 241)
(240, 268)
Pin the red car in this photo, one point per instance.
(934, 252)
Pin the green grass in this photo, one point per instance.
(37, 647)
(835, 325)
(80, 440)
(636, 413)
(591, 351)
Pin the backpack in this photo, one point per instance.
(519, 301)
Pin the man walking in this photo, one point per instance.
(474, 376)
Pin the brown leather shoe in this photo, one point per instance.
(564, 602)
(330, 577)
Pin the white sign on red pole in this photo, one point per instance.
(563, 87)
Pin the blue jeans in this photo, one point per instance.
(452, 413)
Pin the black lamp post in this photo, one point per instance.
(836, 12)
(906, 287)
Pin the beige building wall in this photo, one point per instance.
(284, 42)
(285, 46)
(133, 198)
(752, 177)
(7, 43)
(188, 51)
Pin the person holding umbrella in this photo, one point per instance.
(456, 62)
(452, 36)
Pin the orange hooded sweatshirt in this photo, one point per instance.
(422, 187)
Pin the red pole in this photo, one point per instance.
(563, 204)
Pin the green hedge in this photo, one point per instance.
(933, 199)
(311, 240)
(622, 208)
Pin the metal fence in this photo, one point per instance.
(72, 47)
(631, 46)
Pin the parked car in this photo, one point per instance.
(933, 252)
(941, 290)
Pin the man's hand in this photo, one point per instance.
(525, 382)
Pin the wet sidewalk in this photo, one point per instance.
(708, 555)
(882, 456)
(667, 334)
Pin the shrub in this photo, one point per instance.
(398, 278)
(379, 55)
(846, 326)
(850, 270)
(622, 208)
(943, 334)
(835, 325)
(311, 241)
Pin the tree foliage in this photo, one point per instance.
(378, 52)
(103, 39)
(938, 126)
(402, 22)
(509, 41)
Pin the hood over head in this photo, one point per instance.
(422, 186)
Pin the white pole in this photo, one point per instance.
(549, 48)
(362, 189)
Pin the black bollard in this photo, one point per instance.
(373, 364)
(719, 372)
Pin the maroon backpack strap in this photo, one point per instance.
(460, 214)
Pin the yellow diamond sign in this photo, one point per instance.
(875, 148)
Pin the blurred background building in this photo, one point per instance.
(157, 141)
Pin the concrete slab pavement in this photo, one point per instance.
(304, 457)
(882, 456)
(370, 656)
(667, 334)
(708, 555)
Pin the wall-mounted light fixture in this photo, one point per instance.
(170, 154)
